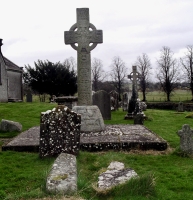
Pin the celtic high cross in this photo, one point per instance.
(83, 37)
(134, 76)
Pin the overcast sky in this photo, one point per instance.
(34, 29)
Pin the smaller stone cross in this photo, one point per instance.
(134, 76)
(186, 139)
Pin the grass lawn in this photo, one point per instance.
(163, 175)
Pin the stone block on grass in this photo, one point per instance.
(9, 126)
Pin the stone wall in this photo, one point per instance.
(15, 89)
(3, 81)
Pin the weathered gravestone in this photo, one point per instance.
(59, 132)
(83, 37)
(134, 76)
(138, 115)
(114, 100)
(125, 101)
(102, 99)
(69, 101)
(29, 97)
(180, 107)
(91, 118)
(186, 139)
(143, 105)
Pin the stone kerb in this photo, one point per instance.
(186, 139)
(59, 132)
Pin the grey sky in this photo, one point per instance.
(34, 29)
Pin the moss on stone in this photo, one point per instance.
(60, 177)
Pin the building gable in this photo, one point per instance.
(10, 79)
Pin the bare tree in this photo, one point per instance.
(187, 64)
(144, 66)
(98, 74)
(118, 74)
(70, 63)
(168, 71)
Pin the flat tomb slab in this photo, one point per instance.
(117, 137)
(25, 141)
(122, 137)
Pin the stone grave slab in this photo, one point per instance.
(63, 175)
(114, 137)
(25, 141)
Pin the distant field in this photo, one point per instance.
(155, 96)
(178, 95)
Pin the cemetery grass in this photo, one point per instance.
(163, 175)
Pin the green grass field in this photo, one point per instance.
(176, 96)
(163, 175)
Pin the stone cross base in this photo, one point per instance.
(91, 118)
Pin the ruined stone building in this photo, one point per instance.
(10, 80)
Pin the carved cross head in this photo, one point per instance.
(83, 36)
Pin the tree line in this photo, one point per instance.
(61, 78)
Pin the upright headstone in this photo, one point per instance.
(138, 115)
(91, 118)
(29, 97)
(102, 99)
(69, 101)
(59, 132)
(180, 107)
(125, 102)
(114, 100)
(186, 139)
(83, 37)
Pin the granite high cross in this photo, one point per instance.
(83, 37)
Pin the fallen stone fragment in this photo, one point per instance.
(116, 174)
